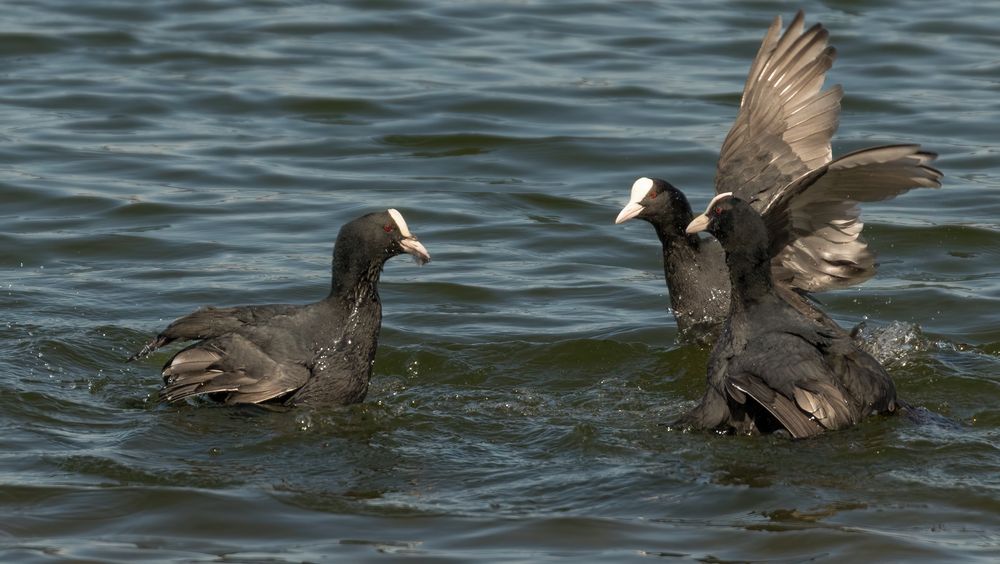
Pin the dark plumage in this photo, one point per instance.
(773, 368)
(777, 157)
(318, 353)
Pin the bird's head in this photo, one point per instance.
(383, 234)
(658, 202)
(732, 221)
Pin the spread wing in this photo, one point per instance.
(784, 124)
(777, 157)
(211, 322)
(815, 223)
(232, 365)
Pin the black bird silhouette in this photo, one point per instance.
(777, 157)
(318, 353)
(772, 367)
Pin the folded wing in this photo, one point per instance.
(211, 322)
(231, 365)
(806, 394)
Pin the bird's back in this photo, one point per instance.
(809, 378)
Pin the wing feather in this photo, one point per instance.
(233, 365)
(818, 221)
(784, 124)
(798, 423)
(209, 322)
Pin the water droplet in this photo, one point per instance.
(304, 422)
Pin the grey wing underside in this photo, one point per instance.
(784, 124)
(232, 366)
(211, 322)
(815, 222)
(777, 157)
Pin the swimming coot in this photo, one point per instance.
(778, 150)
(318, 353)
(773, 368)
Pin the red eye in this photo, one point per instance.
(388, 227)
(718, 210)
(652, 194)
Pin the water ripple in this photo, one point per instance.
(158, 157)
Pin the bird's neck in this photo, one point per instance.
(680, 250)
(681, 262)
(355, 278)
(678, 247)
(750, 275)
(670, 230)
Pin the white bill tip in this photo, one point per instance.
(415, 248)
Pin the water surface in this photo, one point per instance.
(160, 156)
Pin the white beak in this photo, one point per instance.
(630, 210)
(413, 247)
(701, 222)
(697, 224)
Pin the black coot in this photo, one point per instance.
(318, 353)
(777, 157)
(773, 368)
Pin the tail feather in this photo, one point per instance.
(208, 382)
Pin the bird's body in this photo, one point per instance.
(777, 157)
(773, 367)
(695, 271)
(698, 280)
(319, 353)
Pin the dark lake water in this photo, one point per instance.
(160, 156)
